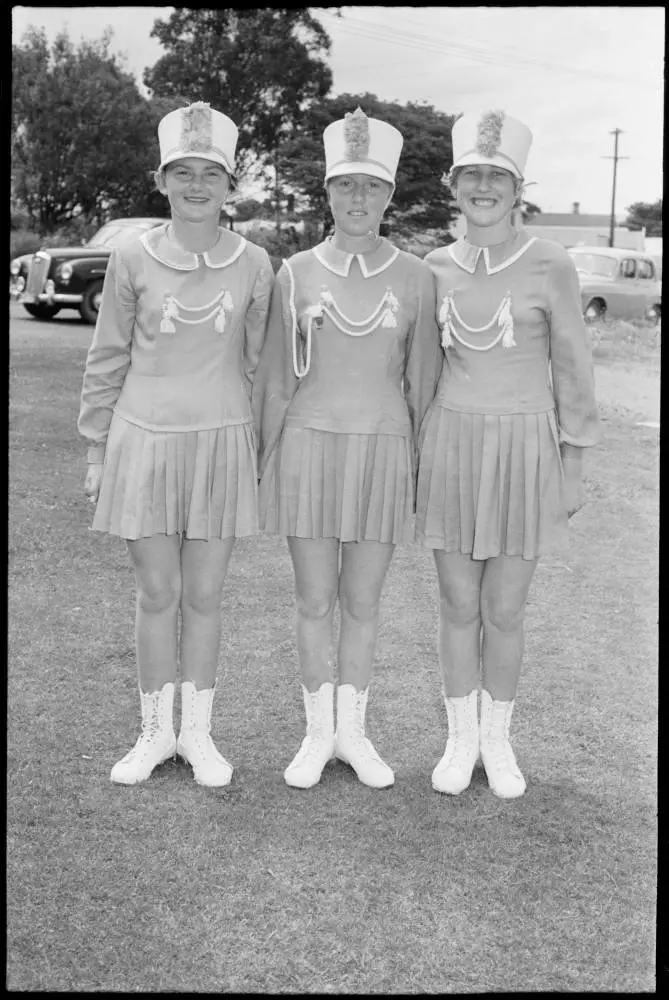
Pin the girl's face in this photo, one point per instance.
(485, 194)
(196, 189)
(357, 202)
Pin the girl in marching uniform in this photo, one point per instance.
(166, 411)
(501, 453)
(349, 367)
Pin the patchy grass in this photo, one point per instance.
(619, 340)
(258, 888)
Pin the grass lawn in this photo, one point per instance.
(258, 888)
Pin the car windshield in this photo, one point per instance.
(594, 263)
(116, 235)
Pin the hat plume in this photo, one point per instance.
(196, 128)
(489, 132)
(356, 135)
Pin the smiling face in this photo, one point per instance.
(195, 188)
(485, 194)
(357, 202)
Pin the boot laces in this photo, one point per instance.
(500, 753)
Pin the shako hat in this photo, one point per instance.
(491, 138)
(357, 144)
(199, 131)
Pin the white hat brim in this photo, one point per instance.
(212, 157)
(360, 167)
(477, 159)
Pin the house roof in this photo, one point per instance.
(572, 219)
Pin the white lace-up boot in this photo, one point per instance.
(195, 744)
(317, 748)
(504, 775)
(454, 771)
(351, 744)
(157, 741)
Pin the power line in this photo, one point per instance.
(363, 29)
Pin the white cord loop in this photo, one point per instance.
(171, 310)
(503, 317)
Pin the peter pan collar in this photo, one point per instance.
(466, 255)
(370, 263)
(157, 244)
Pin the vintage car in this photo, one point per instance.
(617, 283)
(71, 277)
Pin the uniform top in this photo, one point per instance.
(513, 333)
(178, 337)
(373, 353)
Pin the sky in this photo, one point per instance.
(572, 74)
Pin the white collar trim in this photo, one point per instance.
(343, 272)
(486, 257)
(186, 260)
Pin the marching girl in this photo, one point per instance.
(349, 367)
(166, 412)
(501, 466)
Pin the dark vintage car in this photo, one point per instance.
(71, 277)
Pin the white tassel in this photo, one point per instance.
(392, 299)
(326, 296)
(219, 322)
(170, 312)
(506, 322)
(389, 321)
(228, 304)
(445, 322)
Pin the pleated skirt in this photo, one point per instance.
(202, 484)
(353, 487)
(491, 485)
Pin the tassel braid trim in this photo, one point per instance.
(503, 316)
(219, 307)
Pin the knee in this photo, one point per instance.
(502, 615)
(201, 598)
(460, 612)
(360, 609)
(157, 593)
(315, 607)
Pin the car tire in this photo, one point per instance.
(90, 305)
(654, 314)
(594, 310)
(40, 311)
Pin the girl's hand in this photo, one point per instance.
(93, 481)
(574, 487)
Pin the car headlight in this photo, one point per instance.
(65, 271)
(14, 267)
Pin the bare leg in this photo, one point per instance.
(316, 567)
(363, 572)
(204, 565)
(156, 561)
(459, 621)
(504, 589)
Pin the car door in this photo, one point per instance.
(648, 284)
(631, 293)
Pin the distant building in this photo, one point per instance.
(575, 228)
(572, 229)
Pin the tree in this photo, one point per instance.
(260, 66)
(642, 214)
(83, 138)
(421, 199)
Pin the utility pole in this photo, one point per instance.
(612, 222)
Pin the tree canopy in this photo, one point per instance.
(642, 214)
(261, 66)
(83, 137)
(421, 198)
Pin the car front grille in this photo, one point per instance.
(37, 273)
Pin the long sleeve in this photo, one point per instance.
(275, 382)
(424, 355)
(255, 326)
(571, 358)
(108, 357)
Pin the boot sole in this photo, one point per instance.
(368, 784)
(205, 784)
(138, 781)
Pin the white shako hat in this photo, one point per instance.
(357, 144)
(491, 138)
(198, 131)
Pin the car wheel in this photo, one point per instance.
(41, 311)
(654, 314)
(594, 310)
(90, 306)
